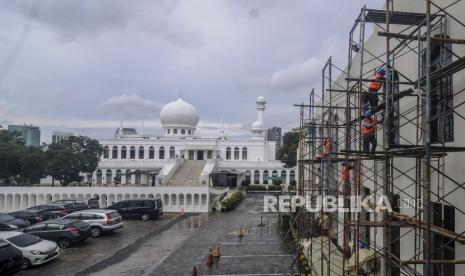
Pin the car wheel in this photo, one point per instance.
(95, 231)
(26, 263)
(64, 243)
(145, 217)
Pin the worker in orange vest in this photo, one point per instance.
(370, 99)
(328, 144)
(345, 171)
(320, 154)
(369, 132)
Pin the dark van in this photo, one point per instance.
(144, 209)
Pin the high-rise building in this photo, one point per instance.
(29, 133)
(275, 134)
(58, 136)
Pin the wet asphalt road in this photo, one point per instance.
(262, 251)
(173, 245)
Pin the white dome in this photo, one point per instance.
(179, 114)
(261, 99)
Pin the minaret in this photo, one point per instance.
(258, 126)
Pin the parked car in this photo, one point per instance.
(11, 259)
(33, 215)
(58, 210)
(36, 251)
(144, 209)
(80, 204)
(9, 223)
(100, 221)
(65, 232)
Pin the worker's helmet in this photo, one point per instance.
(381, 71)
(368, 114)
(343, 162)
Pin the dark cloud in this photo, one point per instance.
(71, 19)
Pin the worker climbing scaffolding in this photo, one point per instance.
(345, 171)
(369, 132)
(370, 99)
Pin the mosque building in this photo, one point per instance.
(180, 157)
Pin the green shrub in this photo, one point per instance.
(275, 188)
(291, 188)
(231, 202)
(257, 188)
(293, 182)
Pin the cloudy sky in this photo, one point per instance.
(84, 65)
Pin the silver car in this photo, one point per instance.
(100, 220)
(36, 251)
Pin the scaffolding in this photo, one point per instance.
(409, 170)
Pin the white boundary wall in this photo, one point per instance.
(192, 199)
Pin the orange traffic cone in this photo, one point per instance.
(210, 260)
(217, 252)
(182, 212)
(194, 271)
(241, 232)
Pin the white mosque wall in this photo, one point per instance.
(191, 199)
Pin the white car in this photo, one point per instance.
(36, 251)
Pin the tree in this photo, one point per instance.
(71, 157)
(288, 152)
(33, 165)
(12, 149)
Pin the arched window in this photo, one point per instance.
(141, 152)
(247, 177)
(265, 177)
(132, 152)
(123, 152)
(283, 177)
(228, 153)
(161, 153)
(189, 132)
(236, 153)
(274, 177)
(99, 177)
(172, 152)
(292, 175)
(128, 176)
(114, 152)
(168, 131)
(106, 152)
(256, 177)
(109, 177)
(151, 152)
(244, 153)
(183, 131)
(175, 131)
(138, 177)
(118, 176)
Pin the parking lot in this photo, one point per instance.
(96, 252)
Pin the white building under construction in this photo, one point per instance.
(419, 159)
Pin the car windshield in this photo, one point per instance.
(5, 217)
(24, 240)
